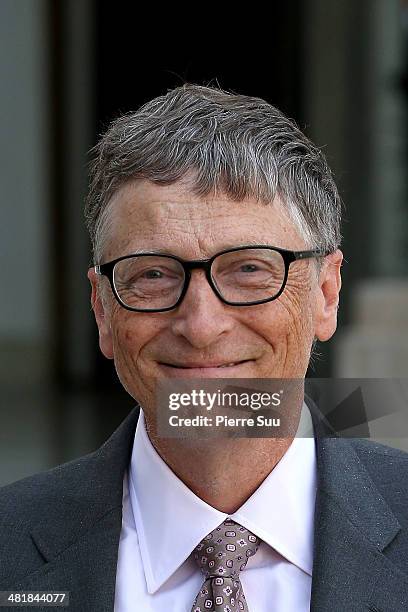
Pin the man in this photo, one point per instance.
(215, 228)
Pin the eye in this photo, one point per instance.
(249, 268)
(152, 274)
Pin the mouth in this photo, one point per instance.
(191, 370)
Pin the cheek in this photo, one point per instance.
(295, 315)
(133, 333)
(283, 325)
(125, 340)
(128, 339)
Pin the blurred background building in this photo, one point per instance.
(68, 67)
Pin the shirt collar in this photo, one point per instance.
(280, 511)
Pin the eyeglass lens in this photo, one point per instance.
(154, 281)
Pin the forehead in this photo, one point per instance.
(146, 216)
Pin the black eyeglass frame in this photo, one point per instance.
(289, 257)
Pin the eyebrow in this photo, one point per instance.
(222, 247)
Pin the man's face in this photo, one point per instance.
(271, 340)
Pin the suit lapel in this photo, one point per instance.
(353, 526)
(79, 537)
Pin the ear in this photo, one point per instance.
(101, 316)
(328, 296)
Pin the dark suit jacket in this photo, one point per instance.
(59, 530)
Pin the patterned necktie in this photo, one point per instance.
(221, 555)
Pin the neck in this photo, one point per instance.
(222, 472)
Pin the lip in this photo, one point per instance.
(196, 370)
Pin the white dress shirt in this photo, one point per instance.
(163, 521)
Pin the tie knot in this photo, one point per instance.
(225, 551)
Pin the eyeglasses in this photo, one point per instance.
(241, 276)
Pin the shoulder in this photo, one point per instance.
(92, 483)
(32, 495)
(92, 476)
(379, 458)
(388, 469)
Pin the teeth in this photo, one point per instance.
(227, 365)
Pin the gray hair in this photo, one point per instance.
(236, 144)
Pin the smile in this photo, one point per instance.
(231, 369)
(205, 366)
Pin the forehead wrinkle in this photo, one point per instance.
(192, 214)
(190, 227)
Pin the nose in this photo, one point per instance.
(202, 317)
